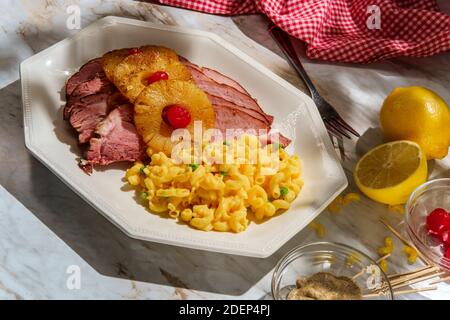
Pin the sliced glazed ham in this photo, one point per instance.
(231, 95)
(215, 75)
(87, 113)
(87, 72)
(116, 140)
(223, 79)
(91, 100)
(97, 84)
(229, 118)
(90, 88)
(225, 103)
(284, 141)
(225, 92)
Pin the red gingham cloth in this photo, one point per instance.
(336, 30)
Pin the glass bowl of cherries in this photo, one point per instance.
(428, 221)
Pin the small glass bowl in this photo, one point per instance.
(335, 258)
(427, 197)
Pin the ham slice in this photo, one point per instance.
(234, 107)
(229, 118)
(223, 79)
(91, 106)
(231, 95)
(86, 89)
(215, 75)
(88, 71)
(116, 140)
(284, 141)
(87, 113)
(225, 92)
(225, 103)
(99, 83)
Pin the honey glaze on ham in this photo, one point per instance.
(103, 118)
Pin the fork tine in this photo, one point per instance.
(347, 126)
(332, 130)
(332, 123)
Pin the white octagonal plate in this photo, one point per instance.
(51, 140)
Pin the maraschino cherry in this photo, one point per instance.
(176, 116)
(157, 76)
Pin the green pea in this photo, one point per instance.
(284, 191)
(193, 166)
(144, 195)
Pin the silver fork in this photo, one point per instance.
(333, 121)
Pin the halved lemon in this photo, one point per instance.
(390, 172)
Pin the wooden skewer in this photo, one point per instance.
(404, 240)
(364, 269)
(416, 280)
(441, 280)
(410, 277)
(396, 293)
(373, 295)
(413, 276)
(392, 276)
(359, 274)
(383, 257)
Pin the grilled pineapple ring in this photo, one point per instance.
(153, 99)
(111, 59)
(131, 73)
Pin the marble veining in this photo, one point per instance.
(45, 228)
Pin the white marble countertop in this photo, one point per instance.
(46, 229)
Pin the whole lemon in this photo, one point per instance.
(420, 115)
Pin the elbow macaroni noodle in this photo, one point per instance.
(219, 197)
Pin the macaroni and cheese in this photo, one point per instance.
(220, 196)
